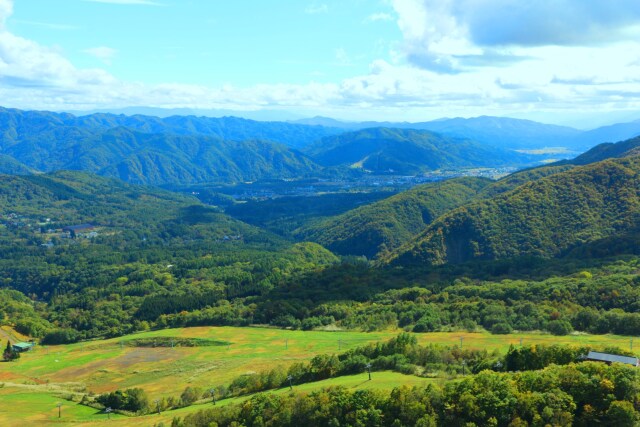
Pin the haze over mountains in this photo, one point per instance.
(189, 149)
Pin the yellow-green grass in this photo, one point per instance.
(23, 407)
(380, 380)
(101, 366)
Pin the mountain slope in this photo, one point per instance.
(18, 125)
(608, 151)
(162, 158)
(385, 225)
(541, 218)
(407, 152)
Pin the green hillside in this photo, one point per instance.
(385, 225)
(161, 158)
(541, 218)
(144, 253)
(382, 150)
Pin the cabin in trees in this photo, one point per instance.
(76, 230)
(612, 358)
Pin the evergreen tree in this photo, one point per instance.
(9, 353)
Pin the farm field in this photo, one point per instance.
(41, 378)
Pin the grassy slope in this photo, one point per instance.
(39, 379)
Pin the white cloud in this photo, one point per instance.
(448, 35)
(103, 53)
(480, 78)
(6, 10)
(315, 8)
(127, 2)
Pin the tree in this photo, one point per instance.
(9, 353)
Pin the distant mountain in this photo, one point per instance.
(612, 133)
(162, 158)
(18, 125)
(504, 132)
(259, 115)
(546, 218)
(515, 134)
(10, 166)
(383, 226)
(405, 151)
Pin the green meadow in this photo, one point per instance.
(33, 385)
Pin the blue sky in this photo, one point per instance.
(552, 60)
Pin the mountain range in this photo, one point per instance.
(504, 132)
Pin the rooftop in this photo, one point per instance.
(605, 357)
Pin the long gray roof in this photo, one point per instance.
(605, 357)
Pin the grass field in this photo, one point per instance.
(42, 376)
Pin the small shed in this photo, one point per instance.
(21, 347)
(612, 358)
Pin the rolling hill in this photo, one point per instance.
(383, 226)
(545, 218)
(400, 151)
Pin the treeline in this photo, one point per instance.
(583, 394)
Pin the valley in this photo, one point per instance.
(172, 260)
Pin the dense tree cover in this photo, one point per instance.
(402, 151)
(132, 400)
(530, 294)
(385, 225)
(156, 253)
(582, 394)
(285, 215)
(542, 218)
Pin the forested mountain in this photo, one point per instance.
(383, 226)
(382, 150)
(607, 151)
(160, 158)
(17, 126)
(10, 166)
(543, 218)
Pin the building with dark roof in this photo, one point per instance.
(613, 358)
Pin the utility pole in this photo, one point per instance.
(368, 366)
(339, 345)
(108, 411)
(213, 395)
(158, 405)
(520, 341)
(290, 378)
(59, 405)
(461, 338)
(464, 363)
(286, 343)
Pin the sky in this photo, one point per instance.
(571, 62)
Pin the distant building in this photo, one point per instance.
(22, 346)
(612, 358)
(74, 230)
